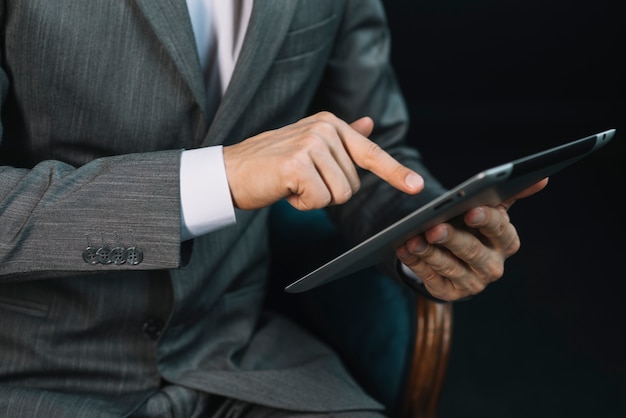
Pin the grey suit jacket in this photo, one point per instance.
(98, 99)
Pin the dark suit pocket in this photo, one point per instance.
(26, 307)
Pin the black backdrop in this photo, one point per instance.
(489, 80)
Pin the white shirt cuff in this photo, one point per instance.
(206, 203)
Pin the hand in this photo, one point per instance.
(311, 163)
(456, 260)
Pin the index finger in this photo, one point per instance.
(370, 156)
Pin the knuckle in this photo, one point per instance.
(344, 196)
(370, 155)
(473, 250)
(347, 194)
(319, 135)
(494, 271)
(312, 139)
(324, 115)
(302, 206)
(325, 200)
(475, 287)
(309, 201)
(514, 245)
(451, 271)
(415, 263)
(374, 152)
(428, 276)
(502, 228)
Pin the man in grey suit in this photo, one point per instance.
(131, 281)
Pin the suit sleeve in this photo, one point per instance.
(54, 217)
(359, 81)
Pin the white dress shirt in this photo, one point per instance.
(219, 28)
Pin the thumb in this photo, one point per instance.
(364, 126)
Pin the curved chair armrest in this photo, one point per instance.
(430, 358)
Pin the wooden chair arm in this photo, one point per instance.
(430, 358)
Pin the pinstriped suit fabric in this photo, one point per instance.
(100, 97)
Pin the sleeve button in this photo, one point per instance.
(104, 255)
(89, 255)
(134, 256)
(118, 255)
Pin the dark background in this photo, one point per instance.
(490, 80)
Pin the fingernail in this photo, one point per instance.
(479, 216)
(421, 247)
(414, 181)
(403, 253)
(443, 234)
(418, 245)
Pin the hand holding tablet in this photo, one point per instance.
(487, 188)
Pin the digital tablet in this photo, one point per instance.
(487, 188)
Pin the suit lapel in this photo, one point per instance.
(269, 22)
(170, 21)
